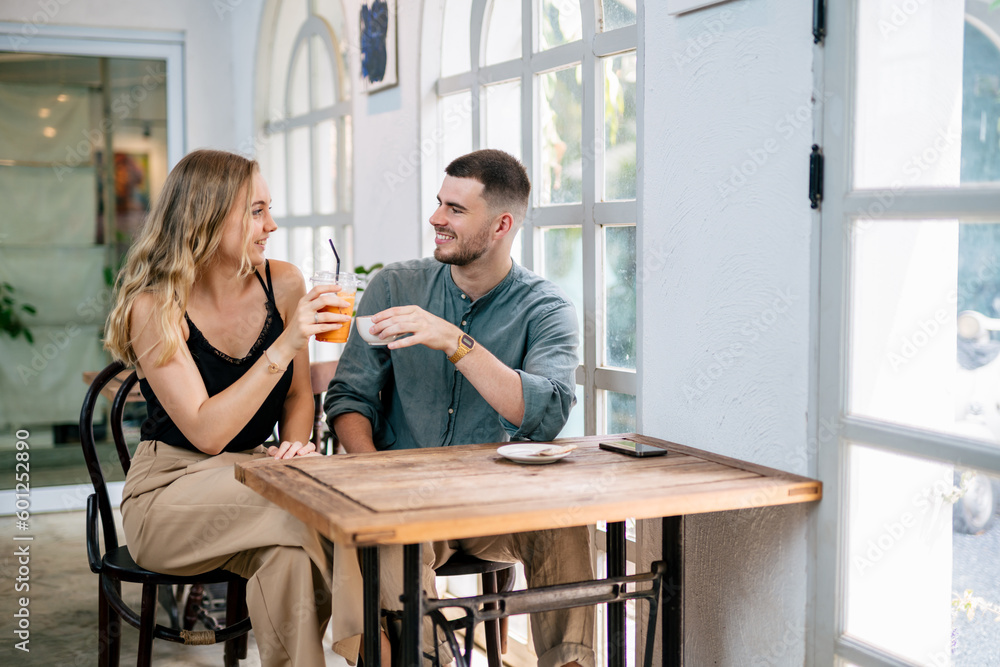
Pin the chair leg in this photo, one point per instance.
(492, 628)
(109, 630)
(236, 648)
(147, 623)
(505, 584)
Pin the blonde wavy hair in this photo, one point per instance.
(179, 238)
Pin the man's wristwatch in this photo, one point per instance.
(465, 345)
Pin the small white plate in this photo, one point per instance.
(527, 452)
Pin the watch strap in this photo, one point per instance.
(465, 345)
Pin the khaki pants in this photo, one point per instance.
(184, 513)
(549, 557)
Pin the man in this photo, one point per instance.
(488, 354)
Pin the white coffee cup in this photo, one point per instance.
(363, 324)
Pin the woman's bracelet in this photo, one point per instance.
(271, 366)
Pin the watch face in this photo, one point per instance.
(467, 340)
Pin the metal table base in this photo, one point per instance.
(666, 577)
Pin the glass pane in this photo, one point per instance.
(300, 249)
(559, 23)
(922, 546)
(323, 258)
(456, 126)
(455, 37)
(289, 20)
(299, 172)
(277, 244)
(502, 118)
(981, 99)
(925, 312)
(619, 296)
(562, 263)
(323, 83)
(927, 108)
(574, 427)
(298, 94)
(619, 413)
(503, 32)
(273, 165)
(560, 125)
(332, 12)
(619, 127)
(325, 154)
(618, 14)
(344, 161)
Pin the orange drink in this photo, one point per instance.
(348, 290)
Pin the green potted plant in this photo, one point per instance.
(11, 313)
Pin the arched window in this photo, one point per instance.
(554, 83)
(304, 122)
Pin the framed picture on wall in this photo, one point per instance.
(378, 45)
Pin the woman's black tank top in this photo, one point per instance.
(219, 371)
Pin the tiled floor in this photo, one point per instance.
(63, 604)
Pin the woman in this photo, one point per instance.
(218, 336)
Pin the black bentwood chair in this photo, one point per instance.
(116, 565)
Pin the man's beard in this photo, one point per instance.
(468, 252)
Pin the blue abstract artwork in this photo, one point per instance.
(378, 44)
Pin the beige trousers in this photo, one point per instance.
(549, 557)
(184, 513)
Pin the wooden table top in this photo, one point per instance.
(419, 495)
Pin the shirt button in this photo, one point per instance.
(450, 411)
(463, 296)
(463, 323)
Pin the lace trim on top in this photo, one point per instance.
(199, 337)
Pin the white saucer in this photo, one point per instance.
(527, 452)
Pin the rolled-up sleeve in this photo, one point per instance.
(548, 377)
(362, 371)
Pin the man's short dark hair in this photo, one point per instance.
(506, 186)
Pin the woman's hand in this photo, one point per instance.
(310, 319)
(290, 450)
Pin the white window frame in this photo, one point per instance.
(835, 428)
(342, 218)
(591, 214)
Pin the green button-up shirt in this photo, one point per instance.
(415, 397)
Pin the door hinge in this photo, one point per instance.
(819, 21)
(816, 176)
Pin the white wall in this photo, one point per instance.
(725, 298)
(387, 219)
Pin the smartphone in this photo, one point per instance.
(632, 448)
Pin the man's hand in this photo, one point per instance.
(427, 329)
(289, 450)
